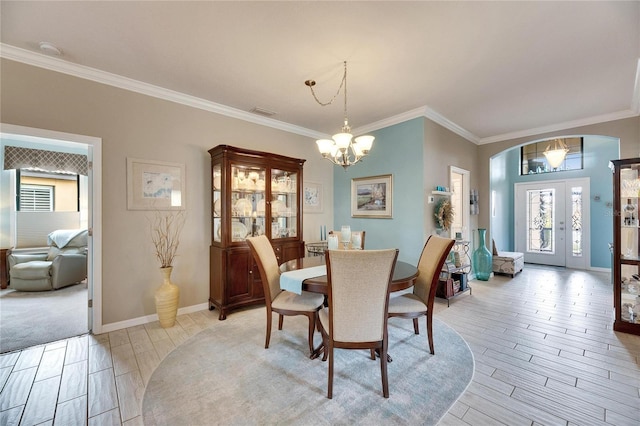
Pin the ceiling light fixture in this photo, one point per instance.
(343, 150)
(556, 156)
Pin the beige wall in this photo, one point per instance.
(443, 148)
(627, 130)
(134, 125)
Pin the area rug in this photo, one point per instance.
(225, 376)
(29, 318)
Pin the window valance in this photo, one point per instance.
(49, 161)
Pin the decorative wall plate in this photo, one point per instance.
(238, 231)
(243, 207)
(278, 208)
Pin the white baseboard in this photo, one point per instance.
(106, 328)
(597, 269)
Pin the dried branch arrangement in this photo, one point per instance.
(165, 234)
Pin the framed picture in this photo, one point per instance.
(312, 197)
(155, 185)
(372, 196)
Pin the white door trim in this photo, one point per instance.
(95, 206)
(466, 196)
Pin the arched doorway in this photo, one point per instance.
(505, 174)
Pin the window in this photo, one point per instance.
(36, 198)
(533, 161)
(47, 192)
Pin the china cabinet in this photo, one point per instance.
(626, 245)
(252, 193)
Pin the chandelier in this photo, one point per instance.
(556, 156)
(342, 149)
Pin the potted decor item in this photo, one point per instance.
(165, 234)
(482, 258)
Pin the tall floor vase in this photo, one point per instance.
(482, 258)
(167, 297)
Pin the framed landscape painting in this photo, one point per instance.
(372, 197)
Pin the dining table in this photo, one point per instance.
(404, 276)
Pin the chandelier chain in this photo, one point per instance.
(342, 83)
(342, 150)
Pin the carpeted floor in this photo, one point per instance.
(33, 318)
(223, 375)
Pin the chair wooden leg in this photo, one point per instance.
(269, 319)
(280, 320)
(325, 349)
(383, 371)
(430, 331)
(415, 326)
(330, 383)
(373, 354)
(312, 326)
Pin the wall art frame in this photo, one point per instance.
(155, 185)
(312, 197)
(372, 197)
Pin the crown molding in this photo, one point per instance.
(560, 126)
(635, 99)
(88, 73)
(423, 111)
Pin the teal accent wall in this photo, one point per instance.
(598, 151)
(397, 150)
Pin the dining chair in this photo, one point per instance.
(358, 298)
(353, 233)
(277, 300)
(420, 301)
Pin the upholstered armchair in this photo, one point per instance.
(63, 264)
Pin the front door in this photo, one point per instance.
(552, 222)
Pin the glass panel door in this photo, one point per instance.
(540, 208)
(248, 204)
(284, 204)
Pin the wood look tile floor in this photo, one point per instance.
(543, 345)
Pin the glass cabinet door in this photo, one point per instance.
(248, 210)
(217, 202)
(284, 204)
(629, 243)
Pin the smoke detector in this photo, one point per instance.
(49, 49)
(263, 111)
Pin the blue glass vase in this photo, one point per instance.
(482, 258)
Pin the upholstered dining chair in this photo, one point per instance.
(420, 301)
(358, 297)
(277, 300)
(353, 234)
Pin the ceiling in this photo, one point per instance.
(487, 70)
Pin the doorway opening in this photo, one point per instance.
(585, 209)
(93, 146)
(459, 181)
